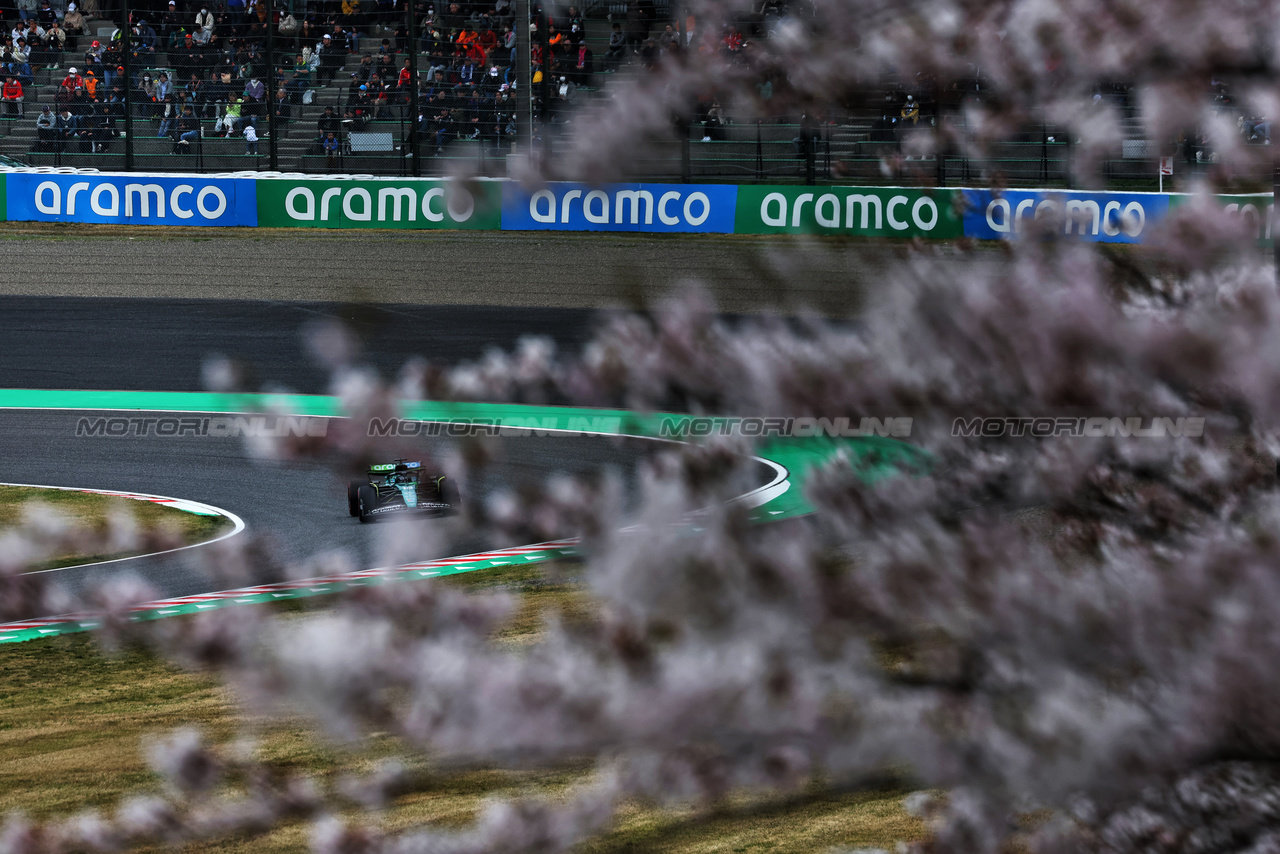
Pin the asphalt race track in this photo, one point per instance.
(298, 507)
(81, 308)
(150, 344)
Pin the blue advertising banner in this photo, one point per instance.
(707, 208)
(1093, 217)
(131, 199)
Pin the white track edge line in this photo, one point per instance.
(237, 523)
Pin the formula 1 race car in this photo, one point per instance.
(401, 487)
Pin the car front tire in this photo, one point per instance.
(366, 500)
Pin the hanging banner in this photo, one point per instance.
(405, 203)
(130, 199)
(1092, 217)
(705, 208)
(863, 211)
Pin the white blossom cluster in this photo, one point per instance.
(1076, 629)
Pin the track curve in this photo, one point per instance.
(296, 508)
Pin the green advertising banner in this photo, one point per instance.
(863, 211)
(417, 203)
(1257, 209)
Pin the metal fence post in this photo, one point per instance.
(127, 62)
(686, 158)
(544, 88)
(524, 90)
(273, 150)
(415, 167)
(759, 150)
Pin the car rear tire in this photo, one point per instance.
(449, 494)
(353, 497)
(366, 501)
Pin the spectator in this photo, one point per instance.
(188, 130)
(250, 140)
(81, 103)
(195, 92)
(168, 117)
(55, 42)
(90, 77)
(639, 13)
(46, 129)
(617, 49)
(163, 86)
(232, 118)
(302, 70)
(309, 38)
(445, 129)
(21, 65)
(583, 63)
(509, 45)
(217, 92)
(73, 79)
(350, 14)
(146, 38)
(668, 38)
(171, 21)
(98, 129)
(282, 111)
(74, 25)
(188, 56)
(713, 123)
(145, 97)
(204, 26)
(910, 113)
(11, 95)
(255, 96)
(328, 122)
(27, 9)
(364, 72)
(348, 39)
(96, 50)
(331, 59)
(68, 128)
(331, 150)
(295, 89)
(488, 42)
(46, 14)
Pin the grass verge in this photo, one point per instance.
(159, 524)
(73, 726)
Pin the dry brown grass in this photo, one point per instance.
(163, 525)
(73, 725)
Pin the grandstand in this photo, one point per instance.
(861, 142)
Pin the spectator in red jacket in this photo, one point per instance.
(72, 80)
(11, 94)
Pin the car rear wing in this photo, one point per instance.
(387, 468)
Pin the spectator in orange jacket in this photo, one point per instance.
(90, 82)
